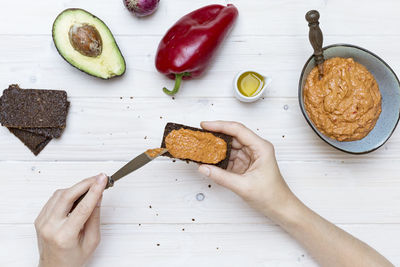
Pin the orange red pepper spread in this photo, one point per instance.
(196, 145)
(346, 103)
(154, 152)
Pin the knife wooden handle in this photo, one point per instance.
(110, 183)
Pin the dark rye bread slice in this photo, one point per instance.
(31, 108)
(47, 132)
(36, 143)
(227, 138)
(35, 138)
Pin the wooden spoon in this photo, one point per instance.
(316, 40)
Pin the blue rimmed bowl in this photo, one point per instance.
(389, 86)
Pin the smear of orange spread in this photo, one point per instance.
(154, 152)
(196, 145)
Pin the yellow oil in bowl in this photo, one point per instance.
(250, 83)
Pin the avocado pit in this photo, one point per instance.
(86, 39)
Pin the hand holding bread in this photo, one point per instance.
(252, 172)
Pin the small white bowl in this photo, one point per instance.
(248, 99)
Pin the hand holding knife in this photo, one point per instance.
(131, 166)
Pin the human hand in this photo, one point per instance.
(253, 172)
(69, 239)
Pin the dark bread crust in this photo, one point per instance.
(36, 143)
(227, 138)
(47, 132)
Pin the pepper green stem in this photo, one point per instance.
(178, 81)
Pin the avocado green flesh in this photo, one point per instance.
(110, 63)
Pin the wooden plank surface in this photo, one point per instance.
(284, 17)
(198, 245)
(112, 121)
(93, 132)
(342, 192)
(280, 57)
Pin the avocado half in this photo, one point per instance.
(86, 42)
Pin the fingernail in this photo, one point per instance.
(101, 178)
(204, 170)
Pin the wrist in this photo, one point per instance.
(285, 209)
(58, 264)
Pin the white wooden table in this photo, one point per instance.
(112, 121)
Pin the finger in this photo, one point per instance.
(92, 228)
(68, 196)
(234, 153)
(84, 209)
(243, 135)
(230, 165)
(239, 166)
(236, 144)
(239, 155)
(48, 208)
(222, 177)
(243, 156)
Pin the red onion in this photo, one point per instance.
(141, 8)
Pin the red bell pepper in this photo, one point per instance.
(189, 45)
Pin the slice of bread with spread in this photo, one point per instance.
(197, 145)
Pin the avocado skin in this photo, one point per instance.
(78, 67)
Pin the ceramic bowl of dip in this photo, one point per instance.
(389, 87)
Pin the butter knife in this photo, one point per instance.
(131, 166)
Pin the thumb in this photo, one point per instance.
(222, 177)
